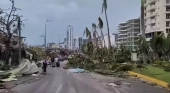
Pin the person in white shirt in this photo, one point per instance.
(57, 62)
(56, 59)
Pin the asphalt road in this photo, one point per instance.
(59, 80)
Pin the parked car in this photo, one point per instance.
(61, 59)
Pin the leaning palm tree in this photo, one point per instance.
(88, 34)
(89, 44)
(94, 34)
(104, 8)
(100, 25)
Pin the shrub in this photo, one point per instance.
(167, 68)
(4, 67)
(126, 67)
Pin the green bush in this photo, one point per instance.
(159, 64)
(167, 68)
(4, 67)
(120, 59)
(126, 67)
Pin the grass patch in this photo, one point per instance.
(155, 72)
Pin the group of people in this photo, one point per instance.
(53, 61)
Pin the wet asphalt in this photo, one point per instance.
(58, 80)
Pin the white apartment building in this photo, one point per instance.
(128, 33)
(157, 17)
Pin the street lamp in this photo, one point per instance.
(45, 37)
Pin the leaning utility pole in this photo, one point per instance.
(19, 38)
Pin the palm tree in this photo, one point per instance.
(157, 44)
(143, 39)
(143, 48)
(104, 7)
(100, 25)
(88, 34)
(167, 46)
(94, 34)
(89, 46)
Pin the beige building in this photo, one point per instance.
(128, 33)
(157, 17)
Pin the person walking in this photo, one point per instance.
(45, 66)
(57, 62)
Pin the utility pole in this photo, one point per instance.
(19, 32)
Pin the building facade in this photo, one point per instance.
(157, 17)
(77, 43)
(69, 40)
(128, 33)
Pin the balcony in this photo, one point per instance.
(153, 21)
(120, 38)
(133, 36)
(152, 7)
(152, 1)
(122, 30)
(152, 14)
(122, 34)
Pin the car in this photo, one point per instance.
(61, 59)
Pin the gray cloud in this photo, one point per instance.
(79, 13)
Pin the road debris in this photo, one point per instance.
(76, 70)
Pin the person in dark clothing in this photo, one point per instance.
(44, 66)
(52, 61)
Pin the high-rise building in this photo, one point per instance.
(157, 17)
(77, 43)
(69, 39)
(128, 33)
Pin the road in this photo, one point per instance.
(59, 80)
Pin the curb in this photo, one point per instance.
(149, 79)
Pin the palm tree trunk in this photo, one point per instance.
(93, 43)
(108, 32)
(99, 39)
(103, 39)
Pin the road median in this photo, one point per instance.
(149, 79)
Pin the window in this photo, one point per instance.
(144, 1)
(168, 24)
(167, 8)
(167, 1)
(168, 30)
(168, 16)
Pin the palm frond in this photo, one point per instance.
(104, 5)
(100, 23)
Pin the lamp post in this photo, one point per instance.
(45, 37)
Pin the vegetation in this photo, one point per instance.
(10, 28)
(38, 53)
(153, 55)
(155, 72)
(11, 23)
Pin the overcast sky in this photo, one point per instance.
(79, 13)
